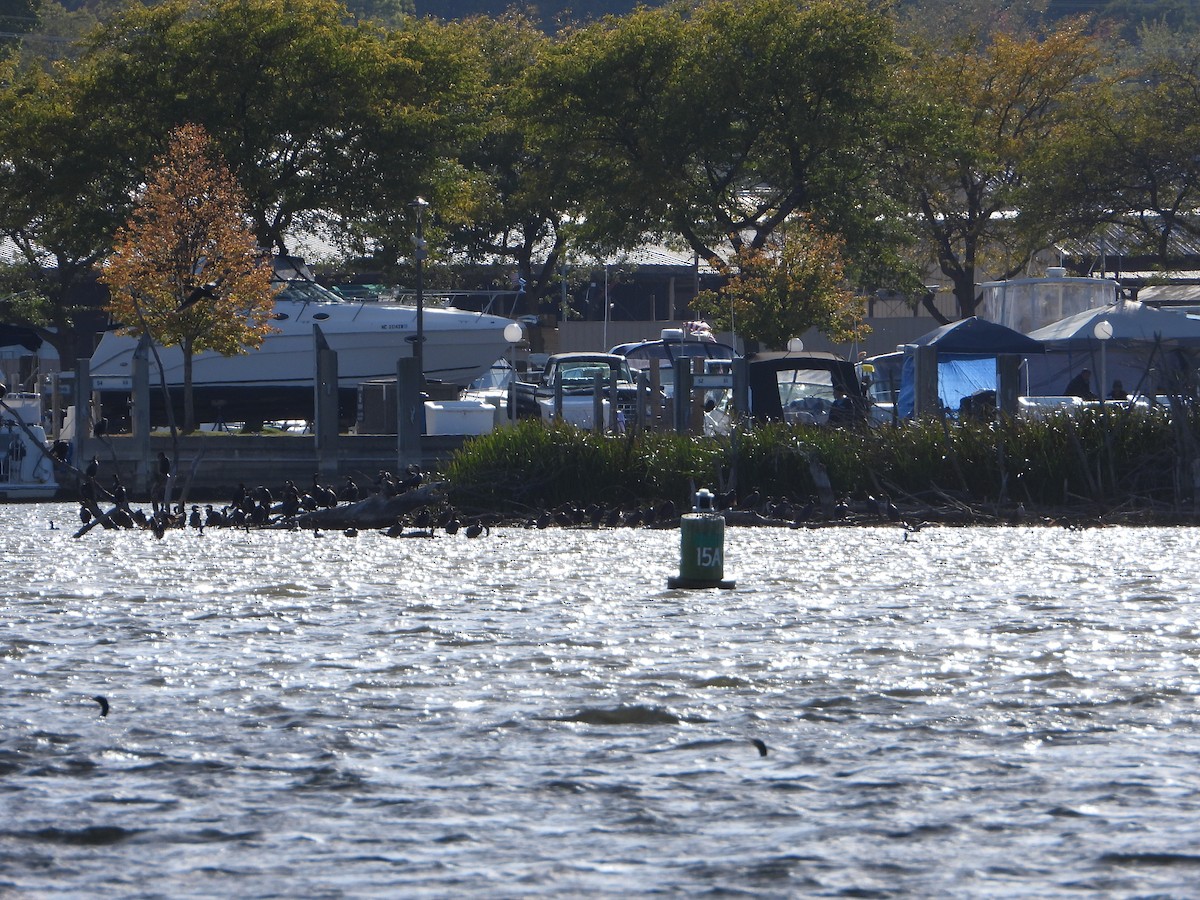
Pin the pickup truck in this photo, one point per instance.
(578, 371)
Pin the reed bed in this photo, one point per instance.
(1100, 459)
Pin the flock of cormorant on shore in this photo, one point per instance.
(289, 508)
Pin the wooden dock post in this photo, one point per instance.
(325, 405)
(926, 401)
(410, 418)
(1008, 384)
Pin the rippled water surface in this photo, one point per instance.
(970, 712)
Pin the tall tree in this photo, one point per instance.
(1137, 160)
(313, 113)
(718, 122)
(65, 185)
(186, 269)
(427, 102)
(17, 17)
(983, 114)
(521, 175)
(778, 292)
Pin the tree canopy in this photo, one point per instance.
(982, 115)
(709, 125)
(185, 269)
(781, 291)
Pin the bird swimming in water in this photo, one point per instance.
(762, 748)
(103, 701)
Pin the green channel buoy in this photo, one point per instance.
(701, 547)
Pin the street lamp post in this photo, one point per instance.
(1103, 332)
(604, 340)
(420, 251)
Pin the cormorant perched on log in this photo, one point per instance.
(93, 468)
(349, 492)
(119, 495)
(412, 478)
(326, 497)
(386, 484)
(290, 500)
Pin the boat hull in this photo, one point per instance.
(26, 470)
(276, 380)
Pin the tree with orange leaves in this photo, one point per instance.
(185, 268)
(796, 283)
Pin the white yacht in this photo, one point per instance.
(275, 381)
(26, 467)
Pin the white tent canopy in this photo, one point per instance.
(1130, 321)
(1149, 351)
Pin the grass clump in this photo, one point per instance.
(1104, 457)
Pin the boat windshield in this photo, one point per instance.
(500, 375)
(306, 292)
(799, 387)
(583, 372)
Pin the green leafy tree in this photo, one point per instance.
(1137, 160)
(17, 17)
(388, 11)
(781, 291)
(429, 104)
(717, 123)
(313, 113)
(523, 185)
(983, 117)
(186, 269)
(65, 185)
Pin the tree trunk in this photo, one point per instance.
(189, 408)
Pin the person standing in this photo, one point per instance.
(1081, 386)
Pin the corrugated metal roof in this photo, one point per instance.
(1116, 240)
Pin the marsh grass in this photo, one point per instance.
(1103, 458)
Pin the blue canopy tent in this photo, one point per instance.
(966, 360)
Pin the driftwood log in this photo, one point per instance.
(376, 511)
